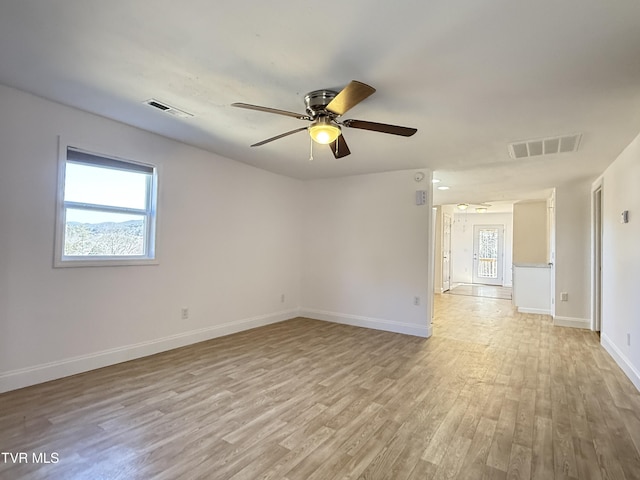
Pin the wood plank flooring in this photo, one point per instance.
(480, 290)
(493, 394)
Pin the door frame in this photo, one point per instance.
(597, 202)
(447, 222)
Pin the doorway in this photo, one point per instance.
(446, 252)
(488, 244)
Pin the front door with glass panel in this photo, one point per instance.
(488, 242)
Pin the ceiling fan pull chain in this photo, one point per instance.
(310, 149)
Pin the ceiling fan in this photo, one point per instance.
(480, 207)
(324, 109)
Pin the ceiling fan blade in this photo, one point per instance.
(279, 136)
(248, 106)
(339, 147)
(349, 97)
(380, 127)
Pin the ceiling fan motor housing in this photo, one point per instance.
(317, 101)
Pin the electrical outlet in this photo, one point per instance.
(184, 313)
(282, 298)
(416, 301)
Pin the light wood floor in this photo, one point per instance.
(492, 394)
(480, 290)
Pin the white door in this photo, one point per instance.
(446, 252)
(488, 241)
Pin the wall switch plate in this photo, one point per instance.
(564, 296)
(421, 197)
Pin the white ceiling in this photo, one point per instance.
(470, 76)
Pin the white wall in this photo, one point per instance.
(573, 254)
(229, 246)
(365, 253)
(462, 244)
(532, 289)
(230, 243)
(621, 261)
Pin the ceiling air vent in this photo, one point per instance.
(176, 112)
(545, 146)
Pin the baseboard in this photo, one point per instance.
(572, 322)
(621, 359)
(25, 377)
(537, 311)
(368, 322)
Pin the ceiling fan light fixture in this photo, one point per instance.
(323, 131)
(323, 107)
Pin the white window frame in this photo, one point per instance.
(150, 212)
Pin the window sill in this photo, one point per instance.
(104, 262)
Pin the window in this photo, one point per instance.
(106, 211)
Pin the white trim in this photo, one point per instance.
(25, 377)
(623, 362)
(150, 212)
(572, 322)
(598, 184)
(368, 322)
(537, 311)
